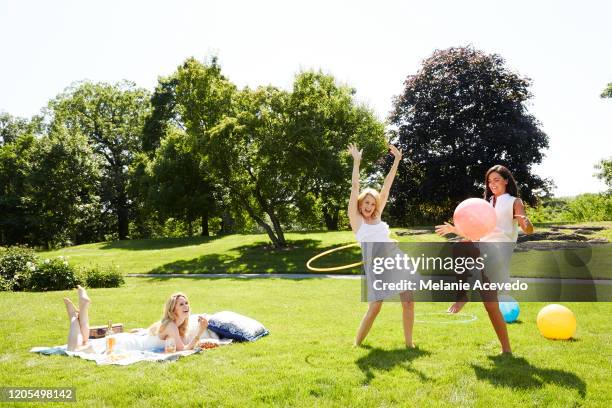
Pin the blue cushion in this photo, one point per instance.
(235, 326)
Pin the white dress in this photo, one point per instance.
(375, 242)
(500, 243)
(142, 340)
(138, 341)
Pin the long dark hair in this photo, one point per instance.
(511, 188)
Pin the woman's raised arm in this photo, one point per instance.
(386, 189)
(353, 210)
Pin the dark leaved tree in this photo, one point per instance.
(461, 113)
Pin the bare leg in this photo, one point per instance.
(407, 317)
(499, 324)
(75, 328)
(463, 249)
(367, 321)
(84, 302)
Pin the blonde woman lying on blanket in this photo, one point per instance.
(174, 324)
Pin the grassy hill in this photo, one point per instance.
(252, 254)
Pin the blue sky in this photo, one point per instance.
(564, 47)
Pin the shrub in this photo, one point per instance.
(52, 274)
(582, 208)
(102, 277)
(590, 207)
(4, 284)
(16, 264)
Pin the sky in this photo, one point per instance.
(564, 47)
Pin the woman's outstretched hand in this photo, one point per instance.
(355, 152)
(447, 228)
(202, 323)
(397, 153)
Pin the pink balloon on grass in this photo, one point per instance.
(475, 218)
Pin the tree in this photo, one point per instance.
(11, 127)
(252, 152)
(324, 119)
(605, 172)
(180, 187)
(164, 114)
(202, 97)
(460, 114)
(64, 182)
(16, 159)
(607, 93)
(605, 165)
(112, 117)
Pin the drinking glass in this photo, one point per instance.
(170, 345)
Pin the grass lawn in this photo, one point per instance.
(308, 359)
(225, 254)
(251, 254)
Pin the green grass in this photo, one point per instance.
(308, 359)
(251, 254)
(226, 254)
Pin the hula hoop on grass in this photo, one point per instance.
(465, 318)
(335, 268)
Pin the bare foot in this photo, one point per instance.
(410, 346)
(456, 307)
(83, 297)
(86, 348)
(72, 312)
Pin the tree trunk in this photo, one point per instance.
(205, 232)
(278, 229)
(227, 223)
(275, 241)
(279, 242)
(331, 217)
(122, 218)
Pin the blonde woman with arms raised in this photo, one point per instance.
(365, 211)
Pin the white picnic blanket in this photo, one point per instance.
(123, 355)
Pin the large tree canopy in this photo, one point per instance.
(112, 117)
(11, 127)
(180, 186)
(64, 182)
(461, 113)
(252, 152)
(324, 119)
(201, 97)
(16, 161)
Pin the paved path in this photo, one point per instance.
(337, 276)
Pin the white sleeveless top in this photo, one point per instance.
(506, 229)
(373, 232)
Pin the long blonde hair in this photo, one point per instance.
(375, 195)
(169, 316)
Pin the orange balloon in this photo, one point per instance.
(475, 218)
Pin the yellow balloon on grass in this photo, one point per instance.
(556, 322)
